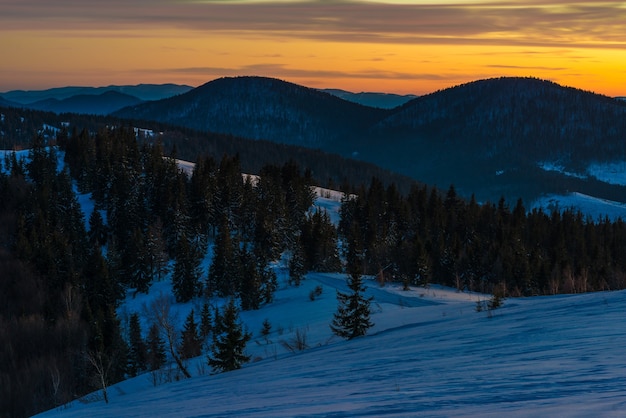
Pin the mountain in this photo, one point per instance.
(380, 100)
(490, 137)
(263, 108)
(100, 104)
(144, 92)
(8, 103)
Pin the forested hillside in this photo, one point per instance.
(69, 270)
(488, 138)
(19, 126)
(69, 273)
(263, 108)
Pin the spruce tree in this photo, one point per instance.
(186, 276)
(155, 348)
(250, 289)
(229, 341)
(352, 318)
(206, 323)
(297, 268)
(137, 349)
(191, 345)
(222, 271)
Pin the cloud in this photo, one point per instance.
(531, 22)
(283, 71)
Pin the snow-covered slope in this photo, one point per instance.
(430, 354)
(590, 206)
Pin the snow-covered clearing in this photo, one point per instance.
(429, 354)
(590, 206)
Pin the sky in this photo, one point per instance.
(396, 46)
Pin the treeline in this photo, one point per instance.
(426, 237)
(66, 275)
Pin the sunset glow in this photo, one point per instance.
(398, 46)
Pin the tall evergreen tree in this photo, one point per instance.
(191, 344)
(352, 318)
(250, 289)
(137, 348)
(223, 272)
(186, 276)
(206, 322)
(229, 341)
(155, 348)
(297, 268)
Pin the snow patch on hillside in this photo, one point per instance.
(554, 166)
(590, 206)
(612, 173)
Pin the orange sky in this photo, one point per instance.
(387, 45)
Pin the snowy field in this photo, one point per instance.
(430, 354)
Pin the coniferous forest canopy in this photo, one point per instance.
(65, 275)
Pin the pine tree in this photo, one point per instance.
(352, 318)
(156, 250)
(267, 328)
(229, 341)
(250, 289)
(222, 271)
(297, 269)
(186, 276)
(137, 349)
(155, 348)
(269, 281)
(97, 230)
(206, 323)
(191, 345)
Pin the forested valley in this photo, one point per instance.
(65, 274)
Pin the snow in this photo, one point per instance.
(591, 206)
(553, 166)
(612, 173)
(429, 354)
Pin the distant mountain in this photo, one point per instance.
(380, 100)
(8, 103)
(488, 137)
(263, 108)
(100, 104)
(144, 92)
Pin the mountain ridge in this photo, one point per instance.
(98, 104)
(144, 92)
(483, 136)
(261, 108)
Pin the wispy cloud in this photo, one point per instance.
(284, 71)
(530, 22)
